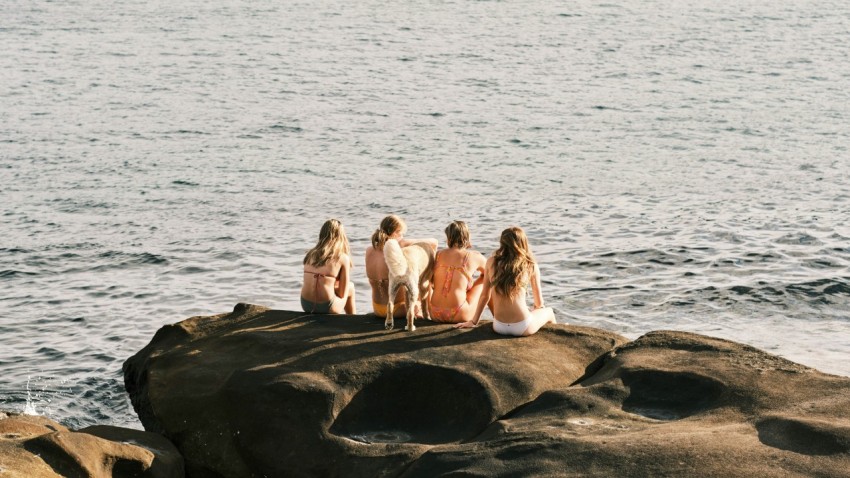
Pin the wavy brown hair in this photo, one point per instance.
(389, 226)
(513, 262)
(332, 244)
(457, 235)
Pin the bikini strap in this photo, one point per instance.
(450, 272)
(317, 276)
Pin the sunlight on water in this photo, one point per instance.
(676, 165)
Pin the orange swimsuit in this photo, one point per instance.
(447, 314)
(381, 309)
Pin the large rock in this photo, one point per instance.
(272, 393)
(36, 447)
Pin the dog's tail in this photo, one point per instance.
(394, 256)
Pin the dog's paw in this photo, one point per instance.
(411, 328)
(388, 325)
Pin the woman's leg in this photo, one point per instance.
(539, 318)
(473, 295)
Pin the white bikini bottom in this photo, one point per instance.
(516, 328)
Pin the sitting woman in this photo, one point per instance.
(392, 227)
(506, 276)
(455, 296)
(327, 273)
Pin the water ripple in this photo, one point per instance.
(672, 169)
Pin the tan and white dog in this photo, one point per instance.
(411, 267)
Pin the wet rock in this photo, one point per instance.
(259, 392)
(34, 446)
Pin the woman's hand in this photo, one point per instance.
(466, 325)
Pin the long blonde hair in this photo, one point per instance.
(513, 262)
(389, 226)
(332, 244)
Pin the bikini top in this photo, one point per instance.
(318, 276)
(450, 271)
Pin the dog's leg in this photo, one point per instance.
(393, 290)
(425, 297)
(412, 302)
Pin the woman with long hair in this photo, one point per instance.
(328, 288)
(507, 275)
(456, 294)
(392, 227)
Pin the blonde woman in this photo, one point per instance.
(507, 275)
(327, 285)
(456, 294)
(392, 227)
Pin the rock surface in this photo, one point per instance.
(35, 447)
(259, 392)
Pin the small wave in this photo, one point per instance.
(228, 256)
(52, 353)
(73, 205)
(597, 289)
(823, 263)
(815, 293)
(799, 238)
(139, 258)
(8, 274)
(191, 270)
(182, 182)
(14, 250)
(820, 288)
(78, 246)
(286, 129)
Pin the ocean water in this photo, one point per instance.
(677, 165)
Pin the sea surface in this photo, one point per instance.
(677, 165)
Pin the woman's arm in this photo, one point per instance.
(482, 302)
(344, 271)
(535, 287)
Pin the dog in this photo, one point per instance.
(411, 267)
